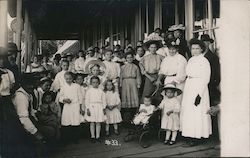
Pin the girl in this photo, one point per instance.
(36, 65)
(95, 104)
(49, 116)
(79, 80)
(71, 96)
(95, 71)
(130, 83)
(113, 107)
(113, 70)
(144, 112)
(170, 106)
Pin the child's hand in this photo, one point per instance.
(169, 112)
(110, 107)
(85, 85)
(88, 112)
(82, 112)
(143, 110)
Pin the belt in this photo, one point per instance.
(171, 75)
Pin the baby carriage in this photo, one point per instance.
(145, 132)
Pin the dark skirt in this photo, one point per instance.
(15, 142)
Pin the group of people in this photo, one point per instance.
(50, 101)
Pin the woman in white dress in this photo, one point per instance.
(173, 68)
(195, 120)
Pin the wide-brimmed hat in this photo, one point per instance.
(176, 27)
(158, 43)
(91, 63)
(172, 87)
(206, 37)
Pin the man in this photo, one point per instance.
(12, 66)
(215, 71)
(23, 103)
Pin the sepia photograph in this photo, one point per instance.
(124, 78)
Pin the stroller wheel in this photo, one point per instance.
(161, 135)
(128, 138)
(145, 139)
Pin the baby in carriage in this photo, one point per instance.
(144, 113)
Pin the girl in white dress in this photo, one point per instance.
(95, 71)
(71, 97)
(95, 103)
(170, 107)
(113, 107)
(145, 112)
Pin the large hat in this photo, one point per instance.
(91, 63)
(206, 37)
(176, 27)
(157, 42)
(172, 87)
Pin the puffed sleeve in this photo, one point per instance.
(181, 72)
(55, 85)
(204, 75)
(21, 103)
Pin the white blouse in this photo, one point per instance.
(7, 82)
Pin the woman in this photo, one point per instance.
(36, 65)
(173, 69)
(195, 120)
(150, 66)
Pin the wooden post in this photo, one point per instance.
(140, 20)
(3, 23)
(176, 11)
(158, 14)
(26, 32)
(111, 39)
(29, 38)
(210, 17)
(19, 32)
(147, 24)
(189, 19)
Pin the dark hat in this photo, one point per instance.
(148, 43)
(29, 78)
(171, 45)
(206, 37)
(172, 87)
(12, 48)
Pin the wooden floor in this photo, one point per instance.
(132, 149)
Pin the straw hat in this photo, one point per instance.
(91, 63)
(176, 27)
(172, 87)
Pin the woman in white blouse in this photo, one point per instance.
(195, 120)
(173, 68)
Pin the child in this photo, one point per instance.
(95, 103)
(170, 106)
(130, 83)
(59, 79)
(49, 116)
(113, 107)
(71, 97)
(44, 86)
(79, 80)
(95, 71)
(145, 111)
(113, 70)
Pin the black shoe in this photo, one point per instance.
(98, 140)
(92, 140)
(166, 142)
(171, 142)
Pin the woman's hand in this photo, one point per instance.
(197, 100)
(170, 112)
(66, 101)
(88, 112)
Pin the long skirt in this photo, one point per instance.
(130, 97)
(14, 140)
(195, 121)
(149, 89)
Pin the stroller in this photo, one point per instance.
(145, 132)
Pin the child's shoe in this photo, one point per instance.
(171, 142)
(116, 132)
(107, 133)
(92, 140)
(166, 142)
